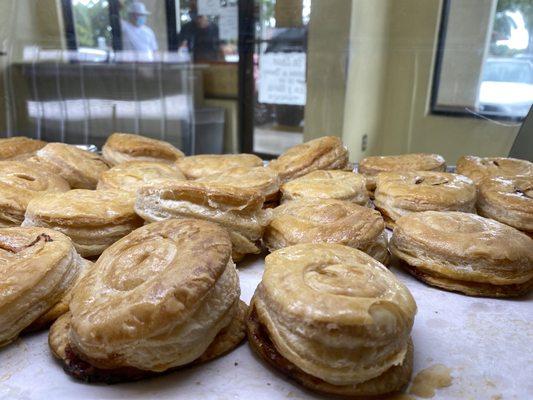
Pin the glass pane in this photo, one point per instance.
(209, 30)
(280, 75)
(507, 82)
(91, 22)
(143, 25)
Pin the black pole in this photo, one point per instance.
(172, 31)
(70, 31)
(246, 75)
(114, 21)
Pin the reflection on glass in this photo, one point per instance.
(91, 22)
(136, 34)
(507, 81)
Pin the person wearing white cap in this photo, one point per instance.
(136, 35)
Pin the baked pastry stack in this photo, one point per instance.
(204, 165)
(80, 168)
(122, 147)
(477, 168)
(131, 175)
(164, 296)
(370, 167)
(321, 184)
(508, 200)
(401, 193)
(326, 152)
(38, 266)
(465, 253)
(239, 210)
(93, 219)
(327, 221)
(19, 147)
(261, 179)
(19, 183)
(333, 319)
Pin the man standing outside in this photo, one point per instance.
(136, 35)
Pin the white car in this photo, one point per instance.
(507, 87)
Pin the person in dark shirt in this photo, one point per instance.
(201, 37)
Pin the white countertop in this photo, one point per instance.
(487, 342)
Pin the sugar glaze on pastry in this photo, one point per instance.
(339, 316)
(38, 266)
(155, 300)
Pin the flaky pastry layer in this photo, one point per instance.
(401, 193)
(463, 247)
(124, 147)
(80, 168)
(508, 200)
(372, 166)
(478, 168)
(334, 312)
(157, 298)
(131, 175)
(38, 266)
(327, 221)
(326, 152)
(334, 184)
(204, 165)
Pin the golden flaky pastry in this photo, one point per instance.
(80, 168)
(327, 221)
(19, 147)
(38, 266)
(339, 185)
(334, 319)
(131, 175)
(122, 147)
(465, 253)
(93, 219)
(508, 200)
(19, 183)
(401, 193)
(262, 179)
(203, 165)
(157, 299)
(326, 152)
(372, 166)
(239, 210)
(477, 168)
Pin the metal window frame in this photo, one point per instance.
(447, 111)
(70, 29)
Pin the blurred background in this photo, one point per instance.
(212, 76)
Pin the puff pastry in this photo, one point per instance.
(326, 152)
(203, 165)
(239, 210)
(164, 296)
(19, 147)
(122, 147)
(401, 193)
(19, 183)
(261, 179)
(131, 175)
(477, 168)
(333, 319)
(327, 221)
(93, 219)
(464, 253)
(508, 200)
(80, 168)
(372, 166)
(339, 185)
(37, 266)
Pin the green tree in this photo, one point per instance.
(91, 21)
